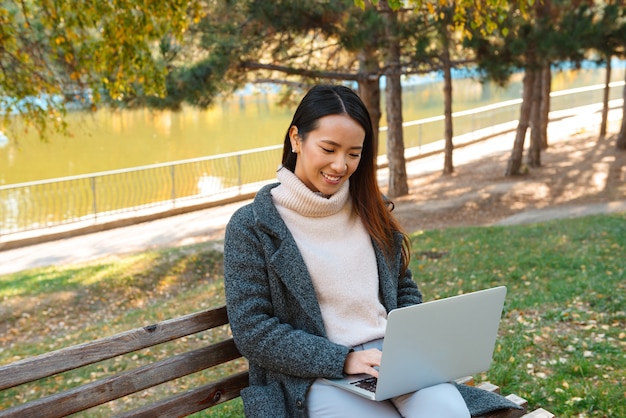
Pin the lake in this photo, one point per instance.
(107, 139)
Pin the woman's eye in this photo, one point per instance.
(355, 155)
(326, 149)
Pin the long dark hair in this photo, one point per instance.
(368, 201)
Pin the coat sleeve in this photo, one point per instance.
(275, 345)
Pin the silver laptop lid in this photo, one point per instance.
(439, 341)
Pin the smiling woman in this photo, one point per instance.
(313, 266)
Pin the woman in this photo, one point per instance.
(313, 266)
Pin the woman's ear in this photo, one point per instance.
(294, 138)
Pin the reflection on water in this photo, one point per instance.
(209, 185)
(108, 140)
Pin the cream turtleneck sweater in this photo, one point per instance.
(339, 256)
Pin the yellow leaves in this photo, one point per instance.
(574, 400)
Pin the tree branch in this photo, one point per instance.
(308, 73)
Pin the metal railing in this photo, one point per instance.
(102, 196)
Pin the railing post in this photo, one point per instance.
(419, 137)
(173, 177)
(92, 180)
(239, 177)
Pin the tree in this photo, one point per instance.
(621, 137)
(455, 22)
(609, 39)
(533, 41)
(56, 53)
(605, 40)
(621, 35)
(398, 184)
(296, 43)
(445, 36)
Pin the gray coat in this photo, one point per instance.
(274, 314)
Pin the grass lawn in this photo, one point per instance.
(562, 342)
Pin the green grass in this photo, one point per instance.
(563, 333)
(562, 342)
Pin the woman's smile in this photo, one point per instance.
(332, 179)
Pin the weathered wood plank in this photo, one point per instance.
(489, 387)
(132, 381)
(114, 387)
(467, 380)
(505, 413)
(518, 400)
(34, 368)
(539, 413)
(194, 400)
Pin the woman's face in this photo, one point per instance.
(330, 153)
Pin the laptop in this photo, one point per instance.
(432, 343)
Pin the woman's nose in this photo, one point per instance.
(339, 164)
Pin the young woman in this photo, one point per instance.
(313, 266)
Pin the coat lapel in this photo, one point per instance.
(286, 261)
(388, 292)
(290, 268)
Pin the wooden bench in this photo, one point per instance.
(128, 382)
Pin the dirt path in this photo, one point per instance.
(578, 170)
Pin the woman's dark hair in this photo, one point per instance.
(368, 201)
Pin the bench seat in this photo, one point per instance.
(128, 382)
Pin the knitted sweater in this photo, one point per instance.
(339, 255)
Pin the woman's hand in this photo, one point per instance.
(363, 362)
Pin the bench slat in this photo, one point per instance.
(539, 413)
(114, 387)
(169, 369)
(194, 400)
(34, 368)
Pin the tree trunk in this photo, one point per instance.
(605, 99)
(398, 183)
(448, 166)
(534, 150)
(546, 84)
(369, 91)
(621, 137)
(514, 164)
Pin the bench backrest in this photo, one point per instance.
(128, 382)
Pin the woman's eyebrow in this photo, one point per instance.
(330, 142)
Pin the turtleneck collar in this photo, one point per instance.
(293, 194)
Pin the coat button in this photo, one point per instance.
(299, 403)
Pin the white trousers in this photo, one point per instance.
(440, 401)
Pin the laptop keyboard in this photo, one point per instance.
(368, 383)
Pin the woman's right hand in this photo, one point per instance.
(363, 361)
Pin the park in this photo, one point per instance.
(561, 339)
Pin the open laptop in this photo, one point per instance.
(433, 342)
